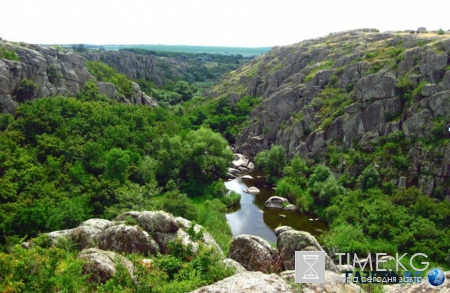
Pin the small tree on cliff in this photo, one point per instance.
(26, 90)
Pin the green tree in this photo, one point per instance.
(272, 161)
(320, 174)
(117, 164)
(369, 178)
(209, 155)
(185, 90)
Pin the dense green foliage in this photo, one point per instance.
(365, 215)
(221, 115)
(64, 160)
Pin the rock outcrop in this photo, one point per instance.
(290, 241)
(130, 64)
(148, 233)
(248, 282)
(55, 72)
(101, 265)
(351, 90)
(252, 252)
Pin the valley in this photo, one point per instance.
(352, 128)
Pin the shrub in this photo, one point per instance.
(441, 32)
(369, 178)
(231, 200)
(26, 90)
(326, 123)
(405, 87)
(8, 54)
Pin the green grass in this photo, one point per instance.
(216, 224)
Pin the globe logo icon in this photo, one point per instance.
(436, 277)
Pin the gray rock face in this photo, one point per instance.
(375, 87)
(108, 89)
(248, 282)
(145, 67)
(292, 240)
(54, 72)
(433, 65)
(101, 265)
(252, 252)
(293, 107)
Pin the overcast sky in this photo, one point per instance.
(245, 23)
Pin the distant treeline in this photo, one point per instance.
(246, 52)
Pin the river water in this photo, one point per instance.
(253, 218)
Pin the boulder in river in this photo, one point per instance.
(252, 190)
(276, 202)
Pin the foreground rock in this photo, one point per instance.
(152, 235)
(252, 252)
(248, 282)
(423, 287)
(128, 239)
(334, 283)
(101, 265)
(290, 241)
(84, 236)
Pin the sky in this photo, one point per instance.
(232, 23)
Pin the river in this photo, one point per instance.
(253, 218)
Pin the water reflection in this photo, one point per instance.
(253, 218)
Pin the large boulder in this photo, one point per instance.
(207, 238)
(108, 89)
(252, 252)
(158, 221)
(248, 282)
(101, 265)
(291, 241)
(85, 235)
(334, 283)
(129, 239)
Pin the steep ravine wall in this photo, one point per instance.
(352, 90)
(56, 72)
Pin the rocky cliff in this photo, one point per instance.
(55, 72)
(354, 90)
(132, 65)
